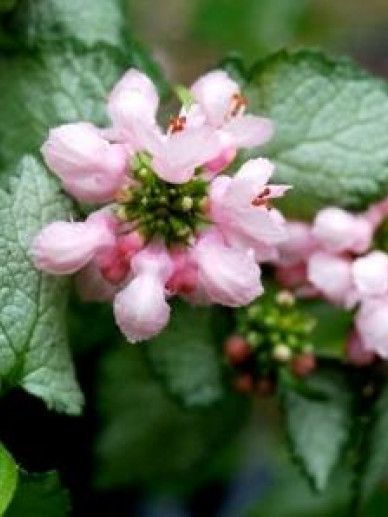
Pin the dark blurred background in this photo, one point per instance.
(188, 36)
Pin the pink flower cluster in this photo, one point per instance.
(334, 258)
(171, 224)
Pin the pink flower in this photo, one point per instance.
(219, 103)
(177, 155)
(223, 105)
(337, 230)
(90, 168)
(240, 206)
(228, 276)
(372, 325)
(63, 248)
(141, 309)
(299, 244)
(170, 228)
(370, 274)
(332, 276)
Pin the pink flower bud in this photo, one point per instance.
(91, 168)
(337, 230)
(63, 248)
(370, 274)
(141, 310)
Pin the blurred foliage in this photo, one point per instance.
(39, 495)
(145, 438)
(251, 27)
(185, 354)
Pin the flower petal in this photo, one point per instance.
(372, 325)
(229, 276)
(249, 131)
(337, 230)
(141, 310)
(214, 93)
(133, 101)
(370, 274)
(332, 276)
(90, 168)
(181, 153)
(63, 248)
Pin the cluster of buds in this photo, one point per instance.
(272, 333)
(172, 224)
(337, 258)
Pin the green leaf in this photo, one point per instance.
(318, 429)
(146, 439)
(290, 496)
(90, 22)
(54, 77)
(8, 478)
(53, 88)
(39, 495)
(185, 356)
(33, 343)
(376, 455)
(331, 140)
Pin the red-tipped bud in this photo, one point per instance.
(265, 387)
(244, 383)
(303, 364)
(237, 349)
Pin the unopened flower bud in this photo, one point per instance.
(244, 383)
(285, 298)
(237, 349)
(282, 353)
(303, 364)
(265, 387)
(187, 203)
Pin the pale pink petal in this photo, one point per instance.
(184, 279)
(372, 325)
(153, 259)
(233, 210)
(337, 230)
(141, 310)
(377, 212)
(225, 157)
(298, 245)
(356, 352)
(92, 286)
(249, 131)
(229, 276)
(90, 168)
(63, 248)
(332, 276)
(134, 80)
(214, 93)
(133, 102)
(181, 153)
(370, 274)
